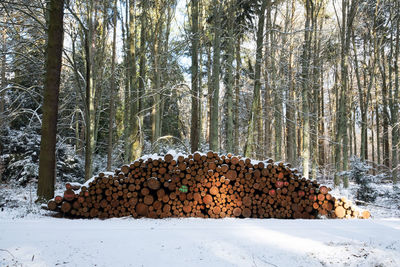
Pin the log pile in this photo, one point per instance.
(199, 185)
(345, 209)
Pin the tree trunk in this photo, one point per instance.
(316, 85)
(290, 103)
(354, 131)
(99, 59)
(194, 127)
(229, 80)
(237, 96)
(112, 89)
(202, 110)
(349, 11)
(3, 76)
(78, 146)
(378, 125)
(305, 93)
(90, 47)
(270, 77)
(134, 123)
(385, 113)
(363, 103)
(127, 95)
(138, 145)
(209, 93)
(155, 110)
(395, 104)
(375, 53)
(321, 129)
(373, 139)
(215, 78)
(249, 148)
(157, 57)
(164, 70)
(47, 158)
(283, 70)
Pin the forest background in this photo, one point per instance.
(313, 83)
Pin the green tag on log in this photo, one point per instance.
(183, 189)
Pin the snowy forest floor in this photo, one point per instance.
(30, 236)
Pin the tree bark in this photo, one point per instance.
(237, 96)
(127, 95)
(249, 148)
(290, 103)
(363, 102)
(135, 149)
(385, 111)
(156, 56)
(395, 103)
(194, 127)
(269, 80)
(378, 134)
(317, 22)
(112, 89)
(47, 158)
(209, 93)
(283, 87)
(90, 49)
(349, 11)
(142, 76)
(214, 119)
(3, 74)
(373, 139)
(202, 110)
(229, 79)
(305, 93)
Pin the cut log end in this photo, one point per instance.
(340, 212)
(153, 183)
(52, 205)
(365, 214)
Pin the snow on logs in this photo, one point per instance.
(207, 186)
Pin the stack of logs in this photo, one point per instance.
(207, 186)
(345, 209)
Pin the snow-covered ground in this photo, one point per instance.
(30, 237)
(199, 242)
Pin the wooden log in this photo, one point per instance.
(73, 186)
(69, 195)
(52, 205)
(125, 169)
(142, 209)
(216, 210)
(214, 190)
(197, 197)
(246, 212)
(324, 190)
(58, 200)
(247, 201)
(231, 175)
(207, 199)
(65, 207)
(144, 191)
(153, 183)
(365, 214)
(148, 200)
(168, 158)
(340, 212)
(237, 212)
